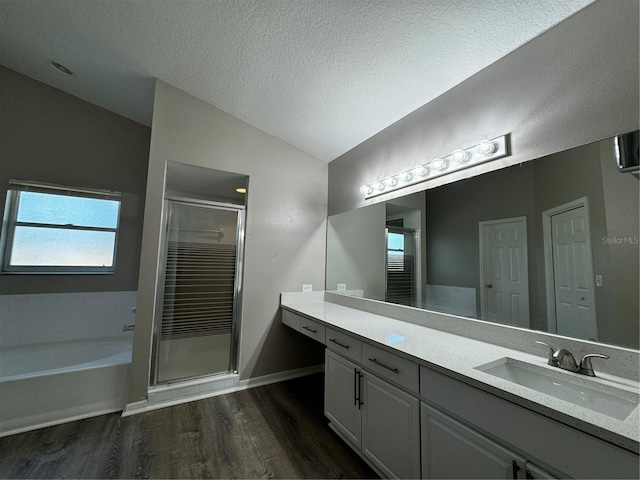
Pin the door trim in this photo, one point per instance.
(552, 321)
(482, 225)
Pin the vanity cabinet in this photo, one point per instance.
(377, 418)
(412, 421)
(344, 344)
(304, 325)
(450, 449)
(458, 412)
(291, 320)
(312, 329)
(342, 396)
(390, 428)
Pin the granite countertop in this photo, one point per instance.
(457, 356)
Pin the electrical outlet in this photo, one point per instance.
(342, 286)
(307, 287)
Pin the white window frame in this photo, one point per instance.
(10, 223)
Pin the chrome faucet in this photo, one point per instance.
(563, 358)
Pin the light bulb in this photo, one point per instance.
(459, 156)
(390, 181)
(378, 186)
(405, 176)
(366, 189)
(420, 170)
(439, 164)
(486, 146)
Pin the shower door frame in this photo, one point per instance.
(170, 200)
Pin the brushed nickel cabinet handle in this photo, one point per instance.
(310, 329)
(374, 360)
(338, 343)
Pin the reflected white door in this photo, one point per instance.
(573, 275)
(503, 271)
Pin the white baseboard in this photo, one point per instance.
(229, 384)
(279, 377)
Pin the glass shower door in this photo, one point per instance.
(196, 328)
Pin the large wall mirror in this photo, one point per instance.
(550, 244)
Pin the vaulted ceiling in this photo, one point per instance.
(322, 75)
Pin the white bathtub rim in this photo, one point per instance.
(120, 359)
(120, 338)
(123, 356)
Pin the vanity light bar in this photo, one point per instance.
(457, 160)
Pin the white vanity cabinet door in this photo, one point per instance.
(450, 449)
(341, 396)
(390, 428)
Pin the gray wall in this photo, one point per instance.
(356, 245)
(285, 235)
(574, 84)
(622, 206)
(453, 214)
(454, 210)
(560, 179)
(49, 136)
(356, 248)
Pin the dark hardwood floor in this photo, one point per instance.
(275, 431)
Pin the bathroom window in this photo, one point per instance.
(55, 229)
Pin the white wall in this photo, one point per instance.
(285, 235)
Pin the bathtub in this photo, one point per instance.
(47, 384)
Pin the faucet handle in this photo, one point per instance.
(585, 364)
(552, 361)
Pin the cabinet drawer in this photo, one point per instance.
(344, 344)
(385, 364)
(291, 319)
(312, 329)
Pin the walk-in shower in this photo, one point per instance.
(197, 320)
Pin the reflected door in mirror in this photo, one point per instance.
(503, 268)
(573, 275)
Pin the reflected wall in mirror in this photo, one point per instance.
(551, 244)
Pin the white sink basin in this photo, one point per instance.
(577, 389)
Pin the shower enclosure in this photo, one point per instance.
(197, 315)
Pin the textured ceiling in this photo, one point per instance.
(322, 75)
